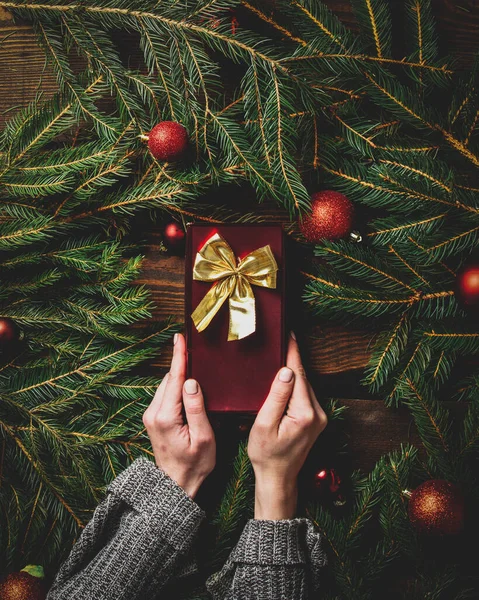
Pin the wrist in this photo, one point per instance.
(188, 482)
(275, 499)
(190, 487)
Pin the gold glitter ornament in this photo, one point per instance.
(436, 507)
(26, 584)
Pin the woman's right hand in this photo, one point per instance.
(282, 435)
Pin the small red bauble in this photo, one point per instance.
(168, 141)
(9, 332)
(327, 479)
(327, 483)
(174, 237)
(467, 286)
(437, 507)
(331, 217)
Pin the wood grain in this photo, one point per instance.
(23, 75)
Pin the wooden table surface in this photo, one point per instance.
(334, 355)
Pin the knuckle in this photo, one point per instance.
(278, 395)
(260, 427)
(147, 419)
(300, 371)
(307, 418)
(323, 420)
(173, 376)
(203, 441)
(252, 453)
(195, 407)
(161, 422)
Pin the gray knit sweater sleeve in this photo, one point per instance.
(139, 537)
(273, 560)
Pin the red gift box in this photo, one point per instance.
(236, 376)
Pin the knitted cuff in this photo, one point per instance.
(172, 514)
(272, 543)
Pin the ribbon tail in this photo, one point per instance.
(210, 305)
(242, 312)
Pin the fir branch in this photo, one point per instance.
(386, 353)
(362, 264)
(432, 419)
(234, 505)
(375, 20)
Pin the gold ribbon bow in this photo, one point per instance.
(217, 262)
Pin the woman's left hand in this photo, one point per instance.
(184, 451)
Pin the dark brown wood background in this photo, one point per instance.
(334, 355)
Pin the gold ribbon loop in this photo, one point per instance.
(216, 262)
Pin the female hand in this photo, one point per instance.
(184, 451)
(282, 435)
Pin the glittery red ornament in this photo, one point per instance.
(9, 332)
(331, 217)
(467, 286)
(174, 237)
(437, 507)
(168, 141)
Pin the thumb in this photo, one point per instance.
(275, 404)
(195, 410)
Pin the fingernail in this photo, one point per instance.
(175, 339)
(191, 386)
(293, 335)
(286, 375)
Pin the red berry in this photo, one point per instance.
(168, 141)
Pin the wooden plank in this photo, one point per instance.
(458, 24)
(370, 429)
(23, 75)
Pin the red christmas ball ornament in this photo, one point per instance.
(331, 217)
(174, 237)
(436, 507)
(327, 483)
(9, 332)
(327, 479)
(168, 141)
(467, 286)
